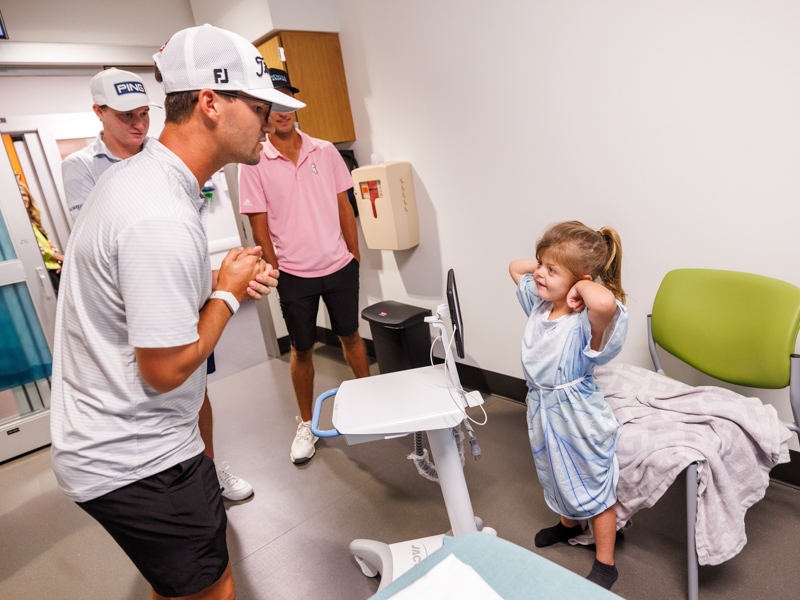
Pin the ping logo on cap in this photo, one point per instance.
(129, 87)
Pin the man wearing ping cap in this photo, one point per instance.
(123, 107)
(137, 320)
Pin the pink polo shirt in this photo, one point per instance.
(301, 205)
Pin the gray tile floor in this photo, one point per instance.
(290, 541)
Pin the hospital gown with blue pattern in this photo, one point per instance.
(572, 430)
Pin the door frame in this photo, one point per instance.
(28, 432)
(40, 134)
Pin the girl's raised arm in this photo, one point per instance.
(518, 268)
(600, 304)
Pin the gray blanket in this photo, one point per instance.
(666, 425)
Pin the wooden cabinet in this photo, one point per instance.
(314, 63)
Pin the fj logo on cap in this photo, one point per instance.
(129, 87)
(221, 75)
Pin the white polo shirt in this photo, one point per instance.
(81, 170)
(137, 274)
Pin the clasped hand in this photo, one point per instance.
(246, 275)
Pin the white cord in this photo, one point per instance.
(430, 354)
(450, 387)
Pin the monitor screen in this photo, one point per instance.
(455, 313)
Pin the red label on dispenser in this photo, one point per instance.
(371, 190)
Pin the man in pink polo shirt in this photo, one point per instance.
(296, 200)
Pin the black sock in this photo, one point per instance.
(603, 575)
(553, 535)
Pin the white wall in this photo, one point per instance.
(675, 122)
(77, 32)
(114, 22)
(252, 19)
(68, 92)
(305, 15)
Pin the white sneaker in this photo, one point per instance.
(232, 487)
(303, 445)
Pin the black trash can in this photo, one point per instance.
(401, 336)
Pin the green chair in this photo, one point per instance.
(736, 327)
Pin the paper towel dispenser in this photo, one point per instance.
(387, 206)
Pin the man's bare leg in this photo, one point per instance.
(302, 371)
(355, 353)
(221, 589)
(233, 488)
(206, 424)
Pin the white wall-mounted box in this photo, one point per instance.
(387, 206)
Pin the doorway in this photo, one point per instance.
(27, 295)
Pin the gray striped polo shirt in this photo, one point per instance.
(137, 274)
(81, 170)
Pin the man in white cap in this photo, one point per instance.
(137, 320)
(123, 107)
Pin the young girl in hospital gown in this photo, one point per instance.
(573, 297)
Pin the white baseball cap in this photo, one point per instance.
(121, 90)
(207, 57)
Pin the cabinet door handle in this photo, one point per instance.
(43, 281)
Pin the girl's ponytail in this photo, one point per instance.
(611, 275)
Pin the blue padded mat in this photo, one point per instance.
(512, 571)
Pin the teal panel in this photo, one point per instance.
(24, 354)
(6, 247)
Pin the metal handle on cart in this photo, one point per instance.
(322, 433)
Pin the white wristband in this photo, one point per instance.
(227, 298)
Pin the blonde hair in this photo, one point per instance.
(34, 214)
(583, 251)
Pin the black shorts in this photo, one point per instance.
(211, 364)
(299, 298)
(171, 525)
